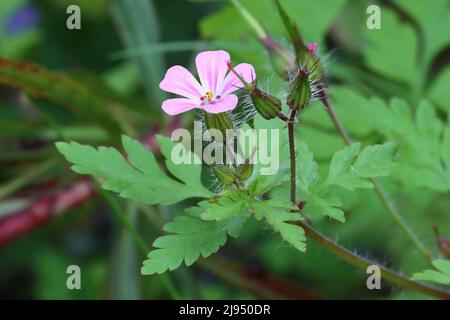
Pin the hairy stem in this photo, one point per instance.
(363, 263)
(390, 207)
(342, 252)
(291, 134)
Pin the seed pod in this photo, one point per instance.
(267, 105)
(299, 94)
(219, 121)
(224, 173)
(244, 171)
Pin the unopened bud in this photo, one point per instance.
(299, 94)
(244, 171)
(219, 121)
(443, 243)
(267, 105)
(224, 173)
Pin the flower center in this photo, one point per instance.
(209, 98)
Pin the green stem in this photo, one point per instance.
(382, 195)
(291, 135)
(342, 252)
(253, 23)
(363, 263)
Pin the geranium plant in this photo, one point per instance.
(287, 201)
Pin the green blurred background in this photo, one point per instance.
(96, 83)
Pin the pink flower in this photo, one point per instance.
(214, 92)
(312, 47)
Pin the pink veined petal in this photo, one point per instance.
(178, 105)
(212, 68)
(180, 81)
(232, 83)
(225, 103)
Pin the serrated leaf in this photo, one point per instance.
(292, 32)
(327, 205)
(228, 205)
(292, 234)
(376, 160)
(191, 238)
(312, 20)
(277, 214)
(263, 184)
(307, 167)
(426, 143)
(141, 179)
(392, 50)
(432, 16)
(439, 93)
(185, 172)
(341, 173)
(441, 275)
(263, 208)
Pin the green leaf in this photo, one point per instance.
(226, 206)
(263, 184)
(439, 92)
(293, 33)
(432, 16)
(312, 20)
(376, 160)
(425, 142)
(141, 179)
(440, 276)
(190, 238)
(292, 234)
(276, 213)
(392, 50)
(341, 172)
(263, 208)
(326, 204)
(307, 167)
(349, 168)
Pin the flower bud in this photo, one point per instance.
(224, 173)
(244, 171)
(219, 121)
(299, 93)
(267, 105)
(443, 243)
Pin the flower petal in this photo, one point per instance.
(212, 68)
(226, 103)
(232, 83)
(178, 105)
(180, 81)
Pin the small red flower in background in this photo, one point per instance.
(312, 48)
